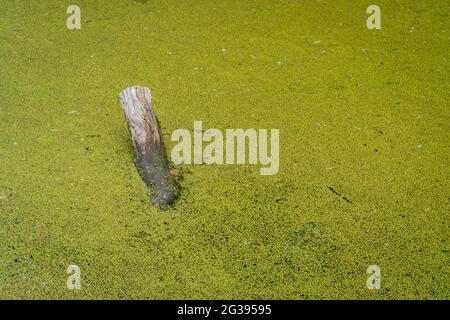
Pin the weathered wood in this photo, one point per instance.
(151, 160)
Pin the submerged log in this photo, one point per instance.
(151, 160)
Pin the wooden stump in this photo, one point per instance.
(151, 160)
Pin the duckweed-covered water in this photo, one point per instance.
(363, 113)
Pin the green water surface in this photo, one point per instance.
(365, 112)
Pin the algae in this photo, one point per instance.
(364, 111)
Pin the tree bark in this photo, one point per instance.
(150, 153)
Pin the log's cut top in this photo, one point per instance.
(136, 103)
